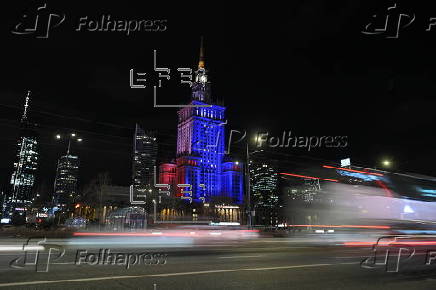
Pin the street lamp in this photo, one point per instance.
(257, 140)
(386, 163)
(72, 136)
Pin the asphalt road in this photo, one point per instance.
(260, 264)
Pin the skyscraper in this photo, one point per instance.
(144, 159)
(25, 167)
(200, 145)
(263, 181)
(67, 175)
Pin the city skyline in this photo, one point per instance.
(309, 97)
(160, 145)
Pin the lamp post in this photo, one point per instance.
(154, 210)
(71, 136)
(247, 180)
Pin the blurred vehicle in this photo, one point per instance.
(357, 197)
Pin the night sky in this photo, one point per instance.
(304, 66)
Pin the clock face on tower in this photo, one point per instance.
(201, 77)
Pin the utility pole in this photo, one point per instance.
(101, 210)
(247, 176)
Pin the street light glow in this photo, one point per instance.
(58, 136)
(73, 134)
(386, 163)
(79, 140)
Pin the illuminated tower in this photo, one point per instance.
(25, 167)
(263, 179)
(200, 140)
(201, 86)
(263, 183)
(67, 175)
(144, 159)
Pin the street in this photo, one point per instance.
(265, 263)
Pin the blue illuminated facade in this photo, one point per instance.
(232, 181)
(200, 148)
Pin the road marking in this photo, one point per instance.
(190, 273)
(275, 248)
(237, 270)
(237, 257)
(67, 280)
(165, 275)
(20, 248)
(288, 267)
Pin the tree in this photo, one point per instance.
(94, 191)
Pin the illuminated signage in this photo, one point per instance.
(345, 162)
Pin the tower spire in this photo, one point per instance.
(201, 59)
(26, 105)
(201, 86)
